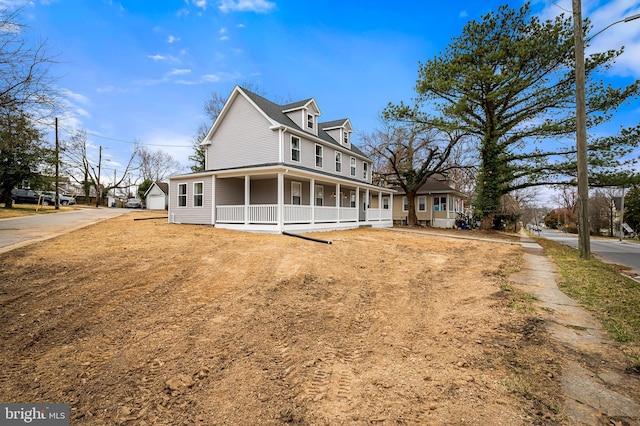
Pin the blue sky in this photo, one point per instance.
(141, 70)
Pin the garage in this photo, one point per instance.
(156, 196)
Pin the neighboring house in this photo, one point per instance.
(157, 196)
(437, 204)
(275, 168)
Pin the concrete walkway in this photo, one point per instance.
(597, 389)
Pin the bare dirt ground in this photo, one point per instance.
(147, 323)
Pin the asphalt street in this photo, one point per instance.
(19, 231)
(623, 252)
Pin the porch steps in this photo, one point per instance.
(365, 226)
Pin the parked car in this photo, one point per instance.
(29, 196)
(65, 200)
(133, 203)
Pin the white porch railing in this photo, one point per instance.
(230, 214)
(268, 213)
(263, 213)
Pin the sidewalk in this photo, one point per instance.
(597, 389)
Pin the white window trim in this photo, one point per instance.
(201, 194)
(311, 119)
(299, 185)
(385, 203)
(338, 158)
(365, 168)
(352, 199)
(425, 203)
(184, 185)
(345, 138)
(321, 156)
(353, 166)
(319, 195)
(405, 204)
(299, 148)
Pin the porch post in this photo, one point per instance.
(312, 200)
(213, 200)
(247, 189)
(280, 212)
(338, 202)
(357, 203)
(367, 203)
(380, 210)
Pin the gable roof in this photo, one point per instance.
(164, 187)
(275, 113)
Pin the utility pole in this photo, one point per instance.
(98, 183)
(584, 237)
(622, 215)
(57, 202)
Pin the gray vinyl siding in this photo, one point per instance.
(264, 191)
(229, 191)
(190, 214)
(242, 138)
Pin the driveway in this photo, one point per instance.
(624, 253)
(20, 231)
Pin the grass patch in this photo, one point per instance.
(613, 298)
(19, 210)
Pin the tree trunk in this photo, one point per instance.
(486, 223)
(412, 218)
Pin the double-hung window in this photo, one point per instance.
(405, 204)
(440, 204)
(385, 203)
(345, 137)
(353, 166)
(318, 155)
(352, 198)
(295, 148)
(182, 195)
(198, 194)
(364, 171)
(319, 195)
(310, 121)
(338, 161)
(422, 203)
(296, 193)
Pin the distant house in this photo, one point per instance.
(157, 196)
(275, 168)
(437, 204)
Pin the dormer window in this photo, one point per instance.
(310, 120)
(346, 138)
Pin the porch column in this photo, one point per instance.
(380, 209)
(338, 202)
(367, 203)
(213, 199)
(312, 200)
(247, 200)
(357, 204)
(280, 212)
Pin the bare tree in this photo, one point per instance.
(25, 79)
(82, 169)
(408, 155)
(156, 165)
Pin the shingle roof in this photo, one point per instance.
(164, 186)
(274, 111)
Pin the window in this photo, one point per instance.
(198, 190)
(338, 162)
(364, 171)
(440, 204)
(182, 195)
(422, 204)
(353, 166)
(385, 203)
(405, 204)
(295, 148)
(318, 155)
(352, 198)
(345, 137)
(310, 121)
(296, 193)
(319, 195)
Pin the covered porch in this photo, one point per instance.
(297, 202)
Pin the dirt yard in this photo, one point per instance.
(147, 323)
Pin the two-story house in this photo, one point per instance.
(275, 168)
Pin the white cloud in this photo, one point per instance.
(224, 38)
(162, 58)
(172, 39)
(77, 97)
(176, 71)
(258, 6)
(202, 4)
(210, 78)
